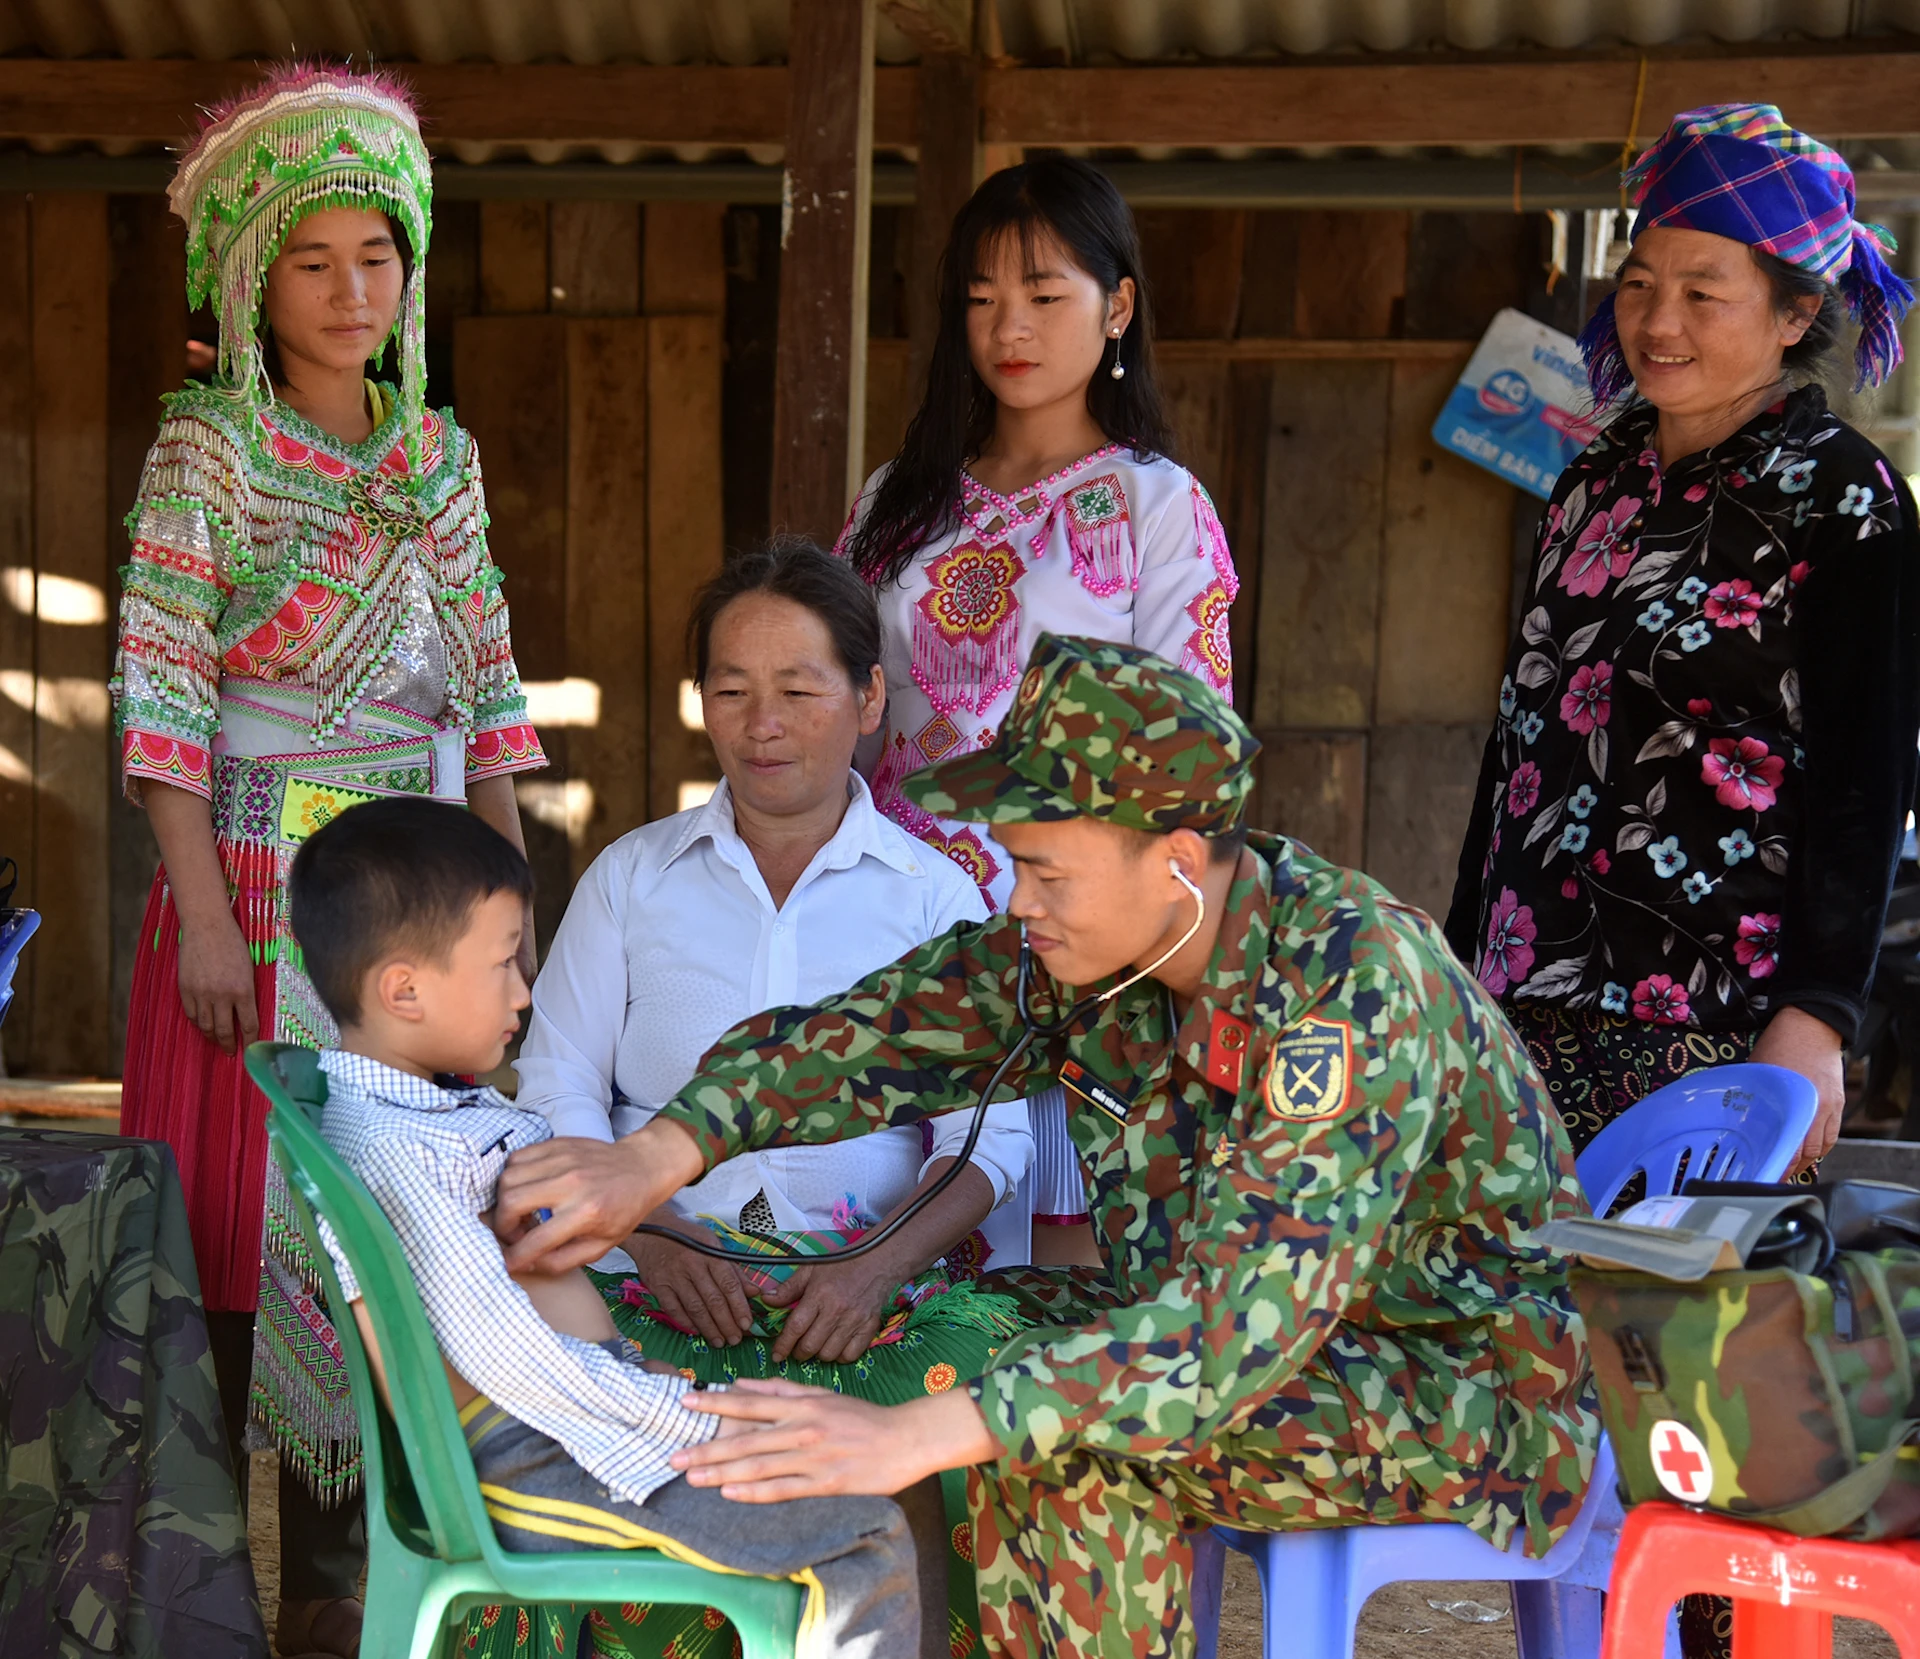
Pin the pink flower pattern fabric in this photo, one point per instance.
(1117, 546)
(1605, 550)
(1644, 789)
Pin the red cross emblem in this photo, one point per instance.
(1680, 1461)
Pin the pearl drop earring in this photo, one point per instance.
(1119, 369)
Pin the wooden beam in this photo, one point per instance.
(1534, 101)
(1582, 100)
(819, 407)
(153, 101)
(933, 25)
(950, 167)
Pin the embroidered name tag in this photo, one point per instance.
(1081, 1085)
(1227, 1040)
(1310, 1074)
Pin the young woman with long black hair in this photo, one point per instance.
(1035, 493)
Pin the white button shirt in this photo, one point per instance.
(432, 1158)
(671, 938)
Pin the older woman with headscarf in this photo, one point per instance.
(1692, 803)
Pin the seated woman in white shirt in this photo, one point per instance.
(787, 886)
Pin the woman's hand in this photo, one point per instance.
(1803, 1043)
(835, 1309)
(791, 1441)
(493, 802)
(693, 1289)
(216, 969)
(216, 981)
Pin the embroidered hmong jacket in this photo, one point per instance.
(1335, 1163)
(1114, 547)
(1693, 799)
(266, 550)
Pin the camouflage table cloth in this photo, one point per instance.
(120, 1528)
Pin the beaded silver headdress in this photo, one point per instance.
(306, 139)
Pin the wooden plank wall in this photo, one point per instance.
(589, 371)
(1304, 357)
(616, 363)
(16, 582)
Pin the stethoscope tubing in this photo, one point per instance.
(1030, 1029)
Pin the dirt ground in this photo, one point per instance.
(1399, 1623)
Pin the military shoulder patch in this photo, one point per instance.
(1310, 1073)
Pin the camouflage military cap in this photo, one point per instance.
(1102, 731)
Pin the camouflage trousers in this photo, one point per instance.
(1090, 1558)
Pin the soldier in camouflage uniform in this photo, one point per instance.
(1318, 1159)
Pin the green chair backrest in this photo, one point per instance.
(417, 1463)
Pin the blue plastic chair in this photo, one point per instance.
(1728, 1123)
(16, 928)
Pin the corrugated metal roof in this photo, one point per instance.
(749, 32)
(755, 31)
(1084, 31)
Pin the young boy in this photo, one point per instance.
(408, 913)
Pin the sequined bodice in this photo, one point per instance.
(414, 677)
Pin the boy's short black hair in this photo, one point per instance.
(394, 875)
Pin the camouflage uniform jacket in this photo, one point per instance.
(1376, 1225)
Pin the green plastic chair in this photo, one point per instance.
(431, 1549)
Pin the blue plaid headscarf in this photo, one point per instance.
(1739, 171)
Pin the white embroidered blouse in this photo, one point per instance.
(1114, 547)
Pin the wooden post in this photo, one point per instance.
(71, 1004)
(819, 412)
(949, 169)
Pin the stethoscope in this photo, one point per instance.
(1031, 1028)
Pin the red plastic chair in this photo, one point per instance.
(1785, 1590)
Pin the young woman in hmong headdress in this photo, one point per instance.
(311, 620)
(1692, 803)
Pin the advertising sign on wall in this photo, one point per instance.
(1521, 408)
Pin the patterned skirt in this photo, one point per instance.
(943, 1331)
(1598, 1065)
(1595, 1067)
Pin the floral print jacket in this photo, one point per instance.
(1691, 805)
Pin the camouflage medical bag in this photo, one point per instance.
(1773, 1396)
